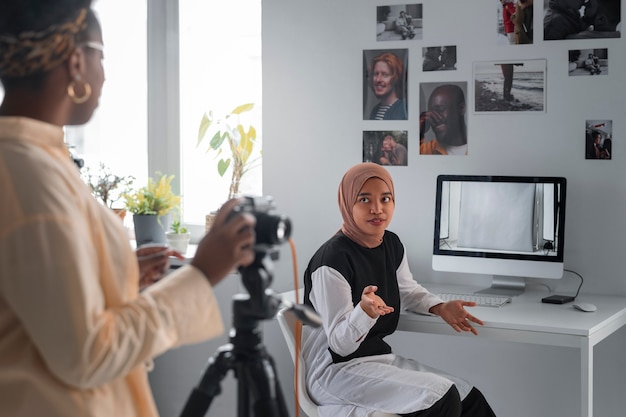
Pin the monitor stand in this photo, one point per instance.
(509, 286)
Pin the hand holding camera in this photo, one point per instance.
(228, 244)
(243, 228)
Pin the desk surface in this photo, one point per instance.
(526, 312)
(527, 320)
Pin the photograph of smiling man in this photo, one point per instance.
(385, 84)
(443, 118)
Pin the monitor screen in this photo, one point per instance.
(506, 226)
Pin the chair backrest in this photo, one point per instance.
(288, 325)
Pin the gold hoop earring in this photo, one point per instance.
(71, 91)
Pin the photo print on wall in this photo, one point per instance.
(598, 139)
(439, 58)
(386, 147)
(514, 24)
(399, 22)
(385, 84)
(443, 118)
(588, 62)
(510, 86)
(505, 25)
(579, 19)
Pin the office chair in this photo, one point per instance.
(288, 324)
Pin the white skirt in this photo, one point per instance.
(359, 387)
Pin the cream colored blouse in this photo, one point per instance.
(75, 334)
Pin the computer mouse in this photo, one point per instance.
(586, 307)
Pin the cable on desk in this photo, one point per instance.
(579, 276)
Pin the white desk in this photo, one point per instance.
(528, 320)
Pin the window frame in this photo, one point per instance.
(164, 89)
(164, 146)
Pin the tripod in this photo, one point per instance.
(258, 393)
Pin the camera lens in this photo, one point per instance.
(272, 229)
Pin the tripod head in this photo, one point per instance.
(261, 302)
(258, 304)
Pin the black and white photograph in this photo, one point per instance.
(510, 86)
(399, 22)
(386, 147)
(439, 58)
(588, 62)
(581, 19)
(443, 118)
(598, 139)
(385, 84)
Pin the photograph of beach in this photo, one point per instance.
(510, 86)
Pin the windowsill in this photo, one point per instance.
(177, 263)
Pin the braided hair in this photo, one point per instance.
(36, 36)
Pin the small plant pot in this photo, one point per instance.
(178, 241)
(150, 229)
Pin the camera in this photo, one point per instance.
(271, 228)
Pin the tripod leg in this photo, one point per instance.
(264, 388)
(208, 388)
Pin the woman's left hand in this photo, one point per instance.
(454, 313)
(154, 261)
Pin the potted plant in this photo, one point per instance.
(234, 145)
(151, 206)
(178, 237)
(107, 187)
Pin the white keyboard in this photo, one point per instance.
(483, 300)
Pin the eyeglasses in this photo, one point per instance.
(96, 46)
(93, 45)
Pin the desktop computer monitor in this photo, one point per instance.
(511, 227)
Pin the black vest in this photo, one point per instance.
(361, 267)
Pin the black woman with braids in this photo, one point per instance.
(76, 334)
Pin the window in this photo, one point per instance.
(116, 135)
(166, 63)
(220, 68)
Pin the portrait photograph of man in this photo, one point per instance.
(443, 118)
(385, 84)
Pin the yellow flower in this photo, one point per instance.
(156, 198)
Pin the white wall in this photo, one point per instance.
(313, 124)
(313, 92)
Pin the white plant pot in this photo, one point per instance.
(178, 241)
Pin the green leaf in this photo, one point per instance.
(204, 126)
(222, 166)
(252, 132)
(217, 140)
(247, 143)
(242, 108)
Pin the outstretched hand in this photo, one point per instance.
(228, 244)
(454, 313)
(372, 304)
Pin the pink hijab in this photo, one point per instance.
(349, 189)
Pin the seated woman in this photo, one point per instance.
(358, 282)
